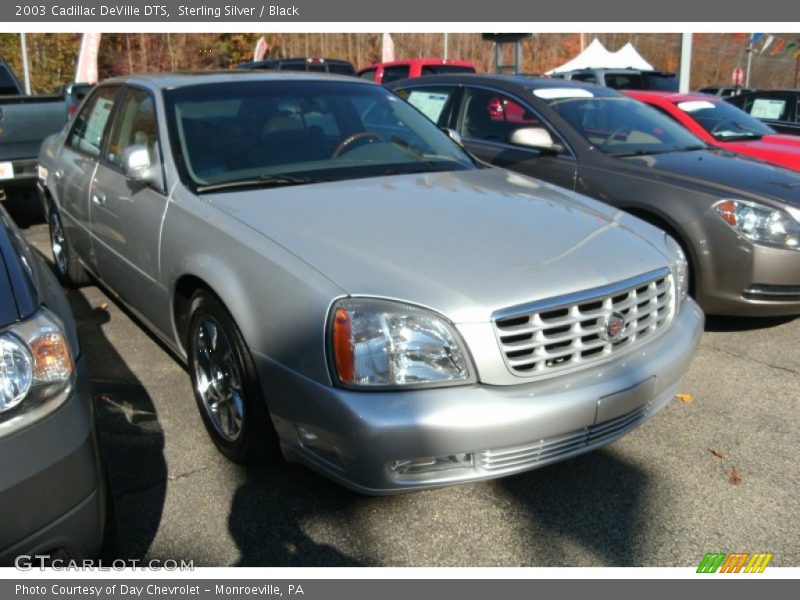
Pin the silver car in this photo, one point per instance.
(348, 286)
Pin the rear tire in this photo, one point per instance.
(226, 385)
(68, 268)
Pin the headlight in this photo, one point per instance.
(381, 343)
(680, 270)
(761, 224)
(35, 369)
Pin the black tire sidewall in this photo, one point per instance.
(257, 441)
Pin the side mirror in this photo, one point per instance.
(137, 166)
(453, 135)
(535, 137)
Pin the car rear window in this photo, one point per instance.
(662, 82)
(391, 74)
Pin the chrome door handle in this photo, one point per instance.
(99, 198)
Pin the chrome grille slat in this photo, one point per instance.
(552, 448)
(565, 333)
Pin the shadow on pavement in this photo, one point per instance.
(267, 537)
(721, 324)
(131, 438)
(594, 501)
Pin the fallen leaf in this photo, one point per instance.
(103, 306)
(685, 397)
(734, 477)
(716, 453)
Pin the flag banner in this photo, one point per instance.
(754, 37)
(767, 43)
(778, 47)
(261, 49)
(387, 51)
(86, 69)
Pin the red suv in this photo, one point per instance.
(388, 72)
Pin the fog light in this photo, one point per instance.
(431, 464)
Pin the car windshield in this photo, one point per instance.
(724, 121)
(279, 132)
(622, 126)
(664, 82)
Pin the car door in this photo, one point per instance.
(126, 214)
(487, 118)
(75, 168)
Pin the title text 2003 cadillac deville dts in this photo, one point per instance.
(348, 285)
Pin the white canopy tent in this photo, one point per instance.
(596, 56)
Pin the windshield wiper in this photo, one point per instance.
(265, 181)
(644, 152)
(689, 148)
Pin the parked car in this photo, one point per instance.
(313, 65)
(24, 122)
(725, 126)
(624, 79)
(387, 72)
(51, 484)
(358, 290)
(724, 91)
(736, 218)
(777, 108)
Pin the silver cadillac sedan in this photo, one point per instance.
(350, 288)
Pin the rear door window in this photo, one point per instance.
(769, 108)
(431, 102)
(91, 122)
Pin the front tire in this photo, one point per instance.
(68, 268)
(226, 386)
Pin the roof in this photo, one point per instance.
(421, 61)
(673, 96)
(183, 79)
(512, 83)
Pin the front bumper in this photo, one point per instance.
(22, 174)
(741, 278)
(355, 438)
(51, 486)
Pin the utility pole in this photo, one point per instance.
(749, 52)
(686, 63)
(26, 71)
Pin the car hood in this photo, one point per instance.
(463, 243)
(721, 172)
(771, 148)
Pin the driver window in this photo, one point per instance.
(490, 116)
(136, 124)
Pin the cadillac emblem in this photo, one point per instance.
(613, 327)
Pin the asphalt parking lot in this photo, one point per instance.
(716, 473)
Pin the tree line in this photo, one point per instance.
(52, 55)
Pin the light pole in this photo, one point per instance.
(26, 72)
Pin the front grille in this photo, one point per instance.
(570, 332)
(550, 449)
